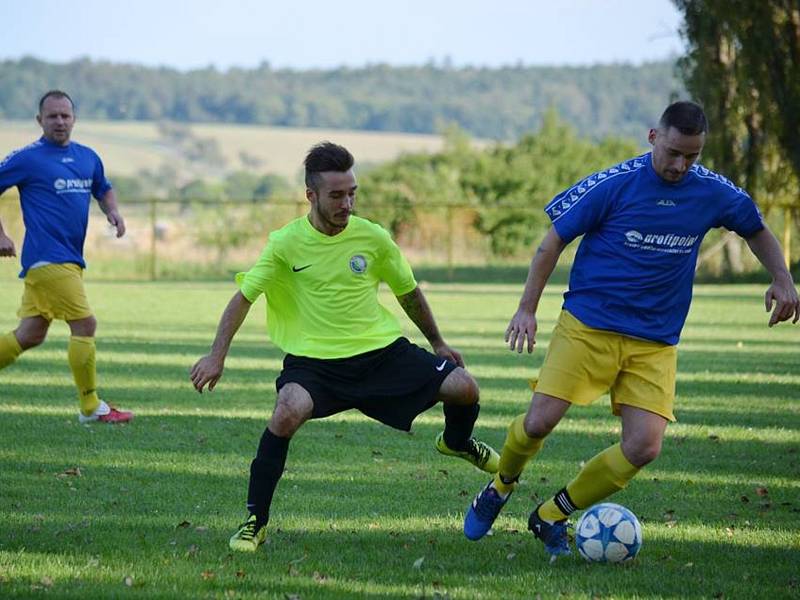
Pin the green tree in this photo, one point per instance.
(743, 64)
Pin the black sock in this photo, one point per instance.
(459, 419)
(265, 471)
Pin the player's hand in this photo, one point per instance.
(207, 370)
(117, 221)
(6, 246)
(522, 326)
(449, 353)
(783, 295)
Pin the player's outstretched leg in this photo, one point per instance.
(460, 395)
(475, 452)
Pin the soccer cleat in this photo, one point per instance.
(106, 414)
(483, 511)
(249, 537)
(480, 454)
(553, 535)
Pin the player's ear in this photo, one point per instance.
(651, 137)
(311, 195)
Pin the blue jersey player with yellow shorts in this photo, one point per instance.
(630, 287)
(56, 178)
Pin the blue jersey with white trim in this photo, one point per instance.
(55, 187)
(634, 268)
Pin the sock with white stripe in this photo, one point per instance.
(603, 475)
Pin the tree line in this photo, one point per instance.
(493, 103)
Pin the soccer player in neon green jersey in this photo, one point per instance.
(320, 275)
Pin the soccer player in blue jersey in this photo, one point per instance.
(56, 178)
(630, 287)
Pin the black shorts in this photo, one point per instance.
(391, 385)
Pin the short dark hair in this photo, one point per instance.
(54, 94)
(326, 156)
(687, 117)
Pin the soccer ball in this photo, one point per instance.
(608, 532)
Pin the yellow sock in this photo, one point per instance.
(518, 449)
(81, 353)
(603, 475)
(9, 349)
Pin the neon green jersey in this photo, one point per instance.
(322, 291)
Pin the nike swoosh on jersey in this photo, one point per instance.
(298, 269)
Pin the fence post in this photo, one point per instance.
(450, 244)
(787, 237)
(152, 239)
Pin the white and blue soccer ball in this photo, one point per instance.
(608, 532)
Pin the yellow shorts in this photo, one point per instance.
(583, 363)
(55, 292)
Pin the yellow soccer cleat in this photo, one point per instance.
(248, 538)
(477, 453)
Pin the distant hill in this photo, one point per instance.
(496, 103)
(128, 148)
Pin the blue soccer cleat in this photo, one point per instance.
(482, 512)
(554, 535)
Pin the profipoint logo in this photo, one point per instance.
(69, 186)
(661, 242)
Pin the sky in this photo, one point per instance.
(303, 34)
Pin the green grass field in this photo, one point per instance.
(363, 511)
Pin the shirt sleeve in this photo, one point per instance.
(100, 185)
(741, 214)
(254, 282)
(12, 171)
(393, 268)
(580, 209)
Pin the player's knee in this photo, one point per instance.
(293, 408)
(30, 338)
(537, 426)
(459, 387)
(640, 452)
(84, 327)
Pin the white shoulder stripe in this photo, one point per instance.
(704, 173)
(13, 153)
(565, 201)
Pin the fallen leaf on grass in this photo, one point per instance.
(418, 563)
(128, 580)
(207, 575)
(319, 577)
(240, 574)
(762, 491)
(511, 556)
(182, 524)
(46, 581)
(744, 499)
(71, 472)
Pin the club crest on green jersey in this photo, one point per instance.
(358, 264)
